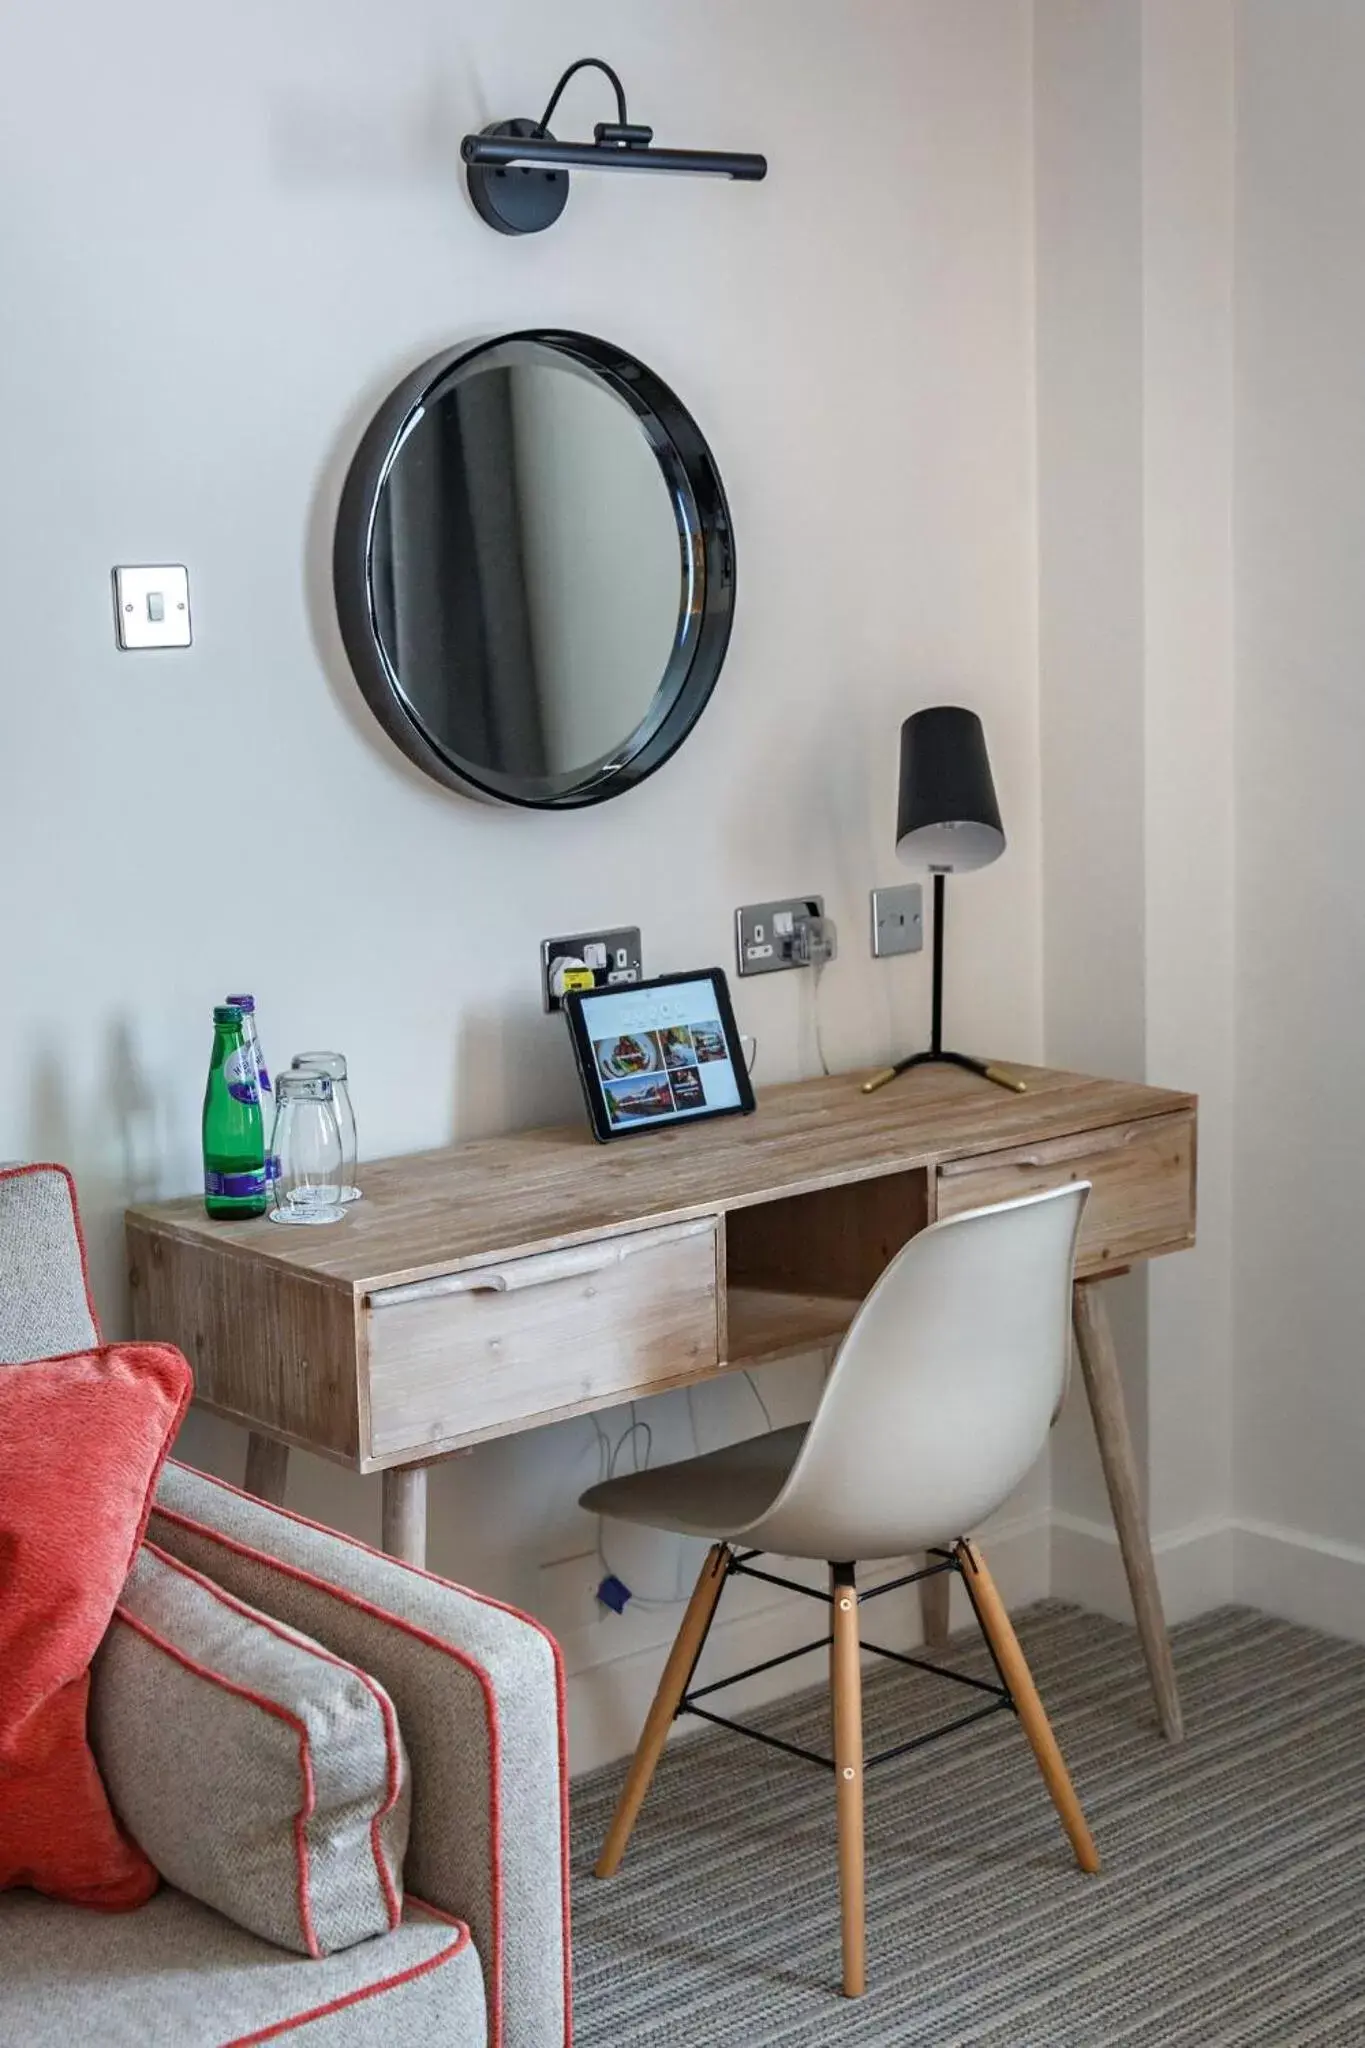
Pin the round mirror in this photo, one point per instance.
(534, 569)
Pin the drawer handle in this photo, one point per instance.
(1095, 1148)
(543, 1270)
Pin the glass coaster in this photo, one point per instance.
(307, 1216)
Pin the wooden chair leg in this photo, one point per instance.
(267, 1469)
(999, 1633)
(682, 1662)
(846, 1688)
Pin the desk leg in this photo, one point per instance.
(935, 1596)
(1104, 1391)
(267, 1469)
(404, 1514)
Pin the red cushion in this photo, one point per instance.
(82, 1441)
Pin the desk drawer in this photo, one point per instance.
(1142, 1186)
(480, 1352)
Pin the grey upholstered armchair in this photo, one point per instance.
(481, 1956)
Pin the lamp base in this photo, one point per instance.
(985, 1068)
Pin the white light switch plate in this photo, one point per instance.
(152, 606)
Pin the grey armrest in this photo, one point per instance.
(480, 1701)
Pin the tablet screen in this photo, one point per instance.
(660, 1053)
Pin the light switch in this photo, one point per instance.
(152, 606)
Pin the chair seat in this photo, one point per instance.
(716, 1495)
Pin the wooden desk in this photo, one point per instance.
(515, 1281)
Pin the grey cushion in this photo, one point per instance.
(175, 1974)
(45, 1308)
(262, 1774)
(479, 1693)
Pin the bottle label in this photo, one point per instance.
(239, 1071)
(235, 1187)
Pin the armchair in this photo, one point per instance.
(481, 1959)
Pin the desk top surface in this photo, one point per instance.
(496, 1198)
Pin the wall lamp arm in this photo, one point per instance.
(517, 170)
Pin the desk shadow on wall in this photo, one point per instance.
(514, 1071)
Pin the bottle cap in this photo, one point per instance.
(227, 1013)
(247, 1003)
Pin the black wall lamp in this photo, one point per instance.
(519, 173)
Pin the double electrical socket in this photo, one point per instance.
(601, 959)
(766, 933)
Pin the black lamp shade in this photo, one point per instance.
(948, 819)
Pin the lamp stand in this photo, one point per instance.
(937, 1054)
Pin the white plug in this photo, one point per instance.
(815, 941)
(559, 973)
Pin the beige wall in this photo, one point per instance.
(1300, 1437)
(1134, 349)
(229, 232)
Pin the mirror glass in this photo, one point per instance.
(539, 541)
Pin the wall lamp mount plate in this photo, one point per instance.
(518, 172)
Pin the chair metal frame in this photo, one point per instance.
(740, 1563)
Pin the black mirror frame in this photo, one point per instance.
(706, 556)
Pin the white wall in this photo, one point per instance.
(1134, 349)
(229, 232)
(1187, 256)
(1201, 343)
(1090, 604)
(1300, 1328)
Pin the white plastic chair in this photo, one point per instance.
(938, 1402)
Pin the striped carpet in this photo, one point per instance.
(1230, 1912)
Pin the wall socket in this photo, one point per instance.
(897, 920)
(764, 933)
(612, 956)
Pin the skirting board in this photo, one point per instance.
(1195, 1568)
(608, 1701)
(1311, 1580)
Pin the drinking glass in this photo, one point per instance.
(307, 1144)
(333, 1064)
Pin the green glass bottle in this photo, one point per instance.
(234, 1136)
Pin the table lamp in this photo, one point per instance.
(947, 821)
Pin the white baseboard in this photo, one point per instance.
(1308, 1579)
(1312, 1580)
(608, 1701)
(1195, 1567)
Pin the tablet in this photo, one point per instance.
(658, 1053)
